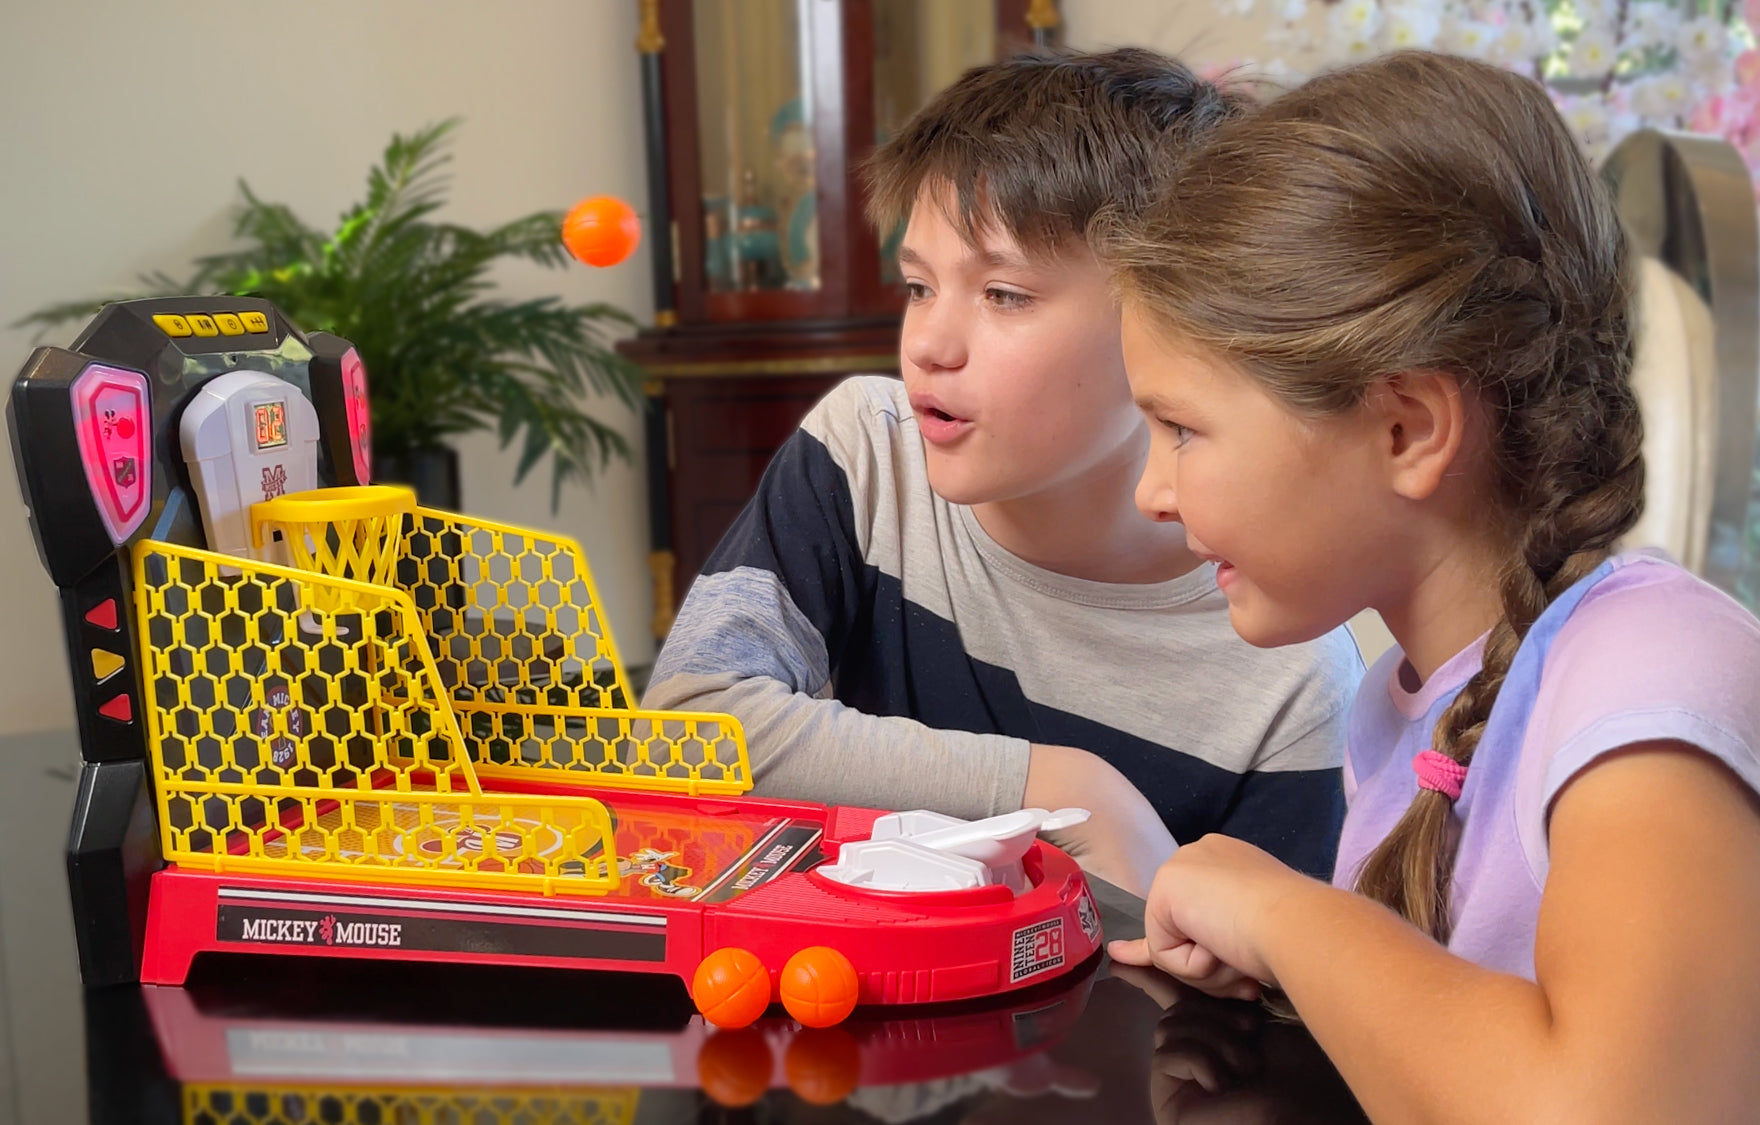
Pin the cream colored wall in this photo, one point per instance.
(124, 127)
(1194, 30)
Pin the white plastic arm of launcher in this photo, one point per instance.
(922, 850)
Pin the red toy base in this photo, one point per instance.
(752, 888)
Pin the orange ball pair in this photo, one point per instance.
(818, 986)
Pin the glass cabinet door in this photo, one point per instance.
(760, 207)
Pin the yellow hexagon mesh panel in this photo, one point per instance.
(293, 739)
(294, 1105)
(530, 665)
(511, 614)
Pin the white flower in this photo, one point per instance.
(1467, 37)
(1354, 19)
(1292, 11)
(1410, 27)
(1708, 73)
(1700, 39)
(1594, 53)
(1662, 97)
(1593, 12)
(1588, 119)
(1237, 7)
(1651, 25)
(1516, 43)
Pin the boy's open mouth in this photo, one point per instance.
(939, 426)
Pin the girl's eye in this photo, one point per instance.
(915, 291)
(1181, 434)
(1007, 299)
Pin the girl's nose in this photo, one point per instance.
(1155, 495)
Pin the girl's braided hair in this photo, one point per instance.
(1419, 212)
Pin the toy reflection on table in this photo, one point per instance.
(341, 1043)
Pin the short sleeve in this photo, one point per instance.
(1652, 653)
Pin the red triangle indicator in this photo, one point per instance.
(103, 615)
(119, 709)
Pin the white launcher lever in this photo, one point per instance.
(997, 841)
(926, 851)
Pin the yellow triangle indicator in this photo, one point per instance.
(105, 664)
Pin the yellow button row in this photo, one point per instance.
(220, 324)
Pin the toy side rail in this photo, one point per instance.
(657, 751)
(293, 741)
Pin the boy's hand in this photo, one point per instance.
(1207, 916)
(1124, 841)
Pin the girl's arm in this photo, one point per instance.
(1647, 1006)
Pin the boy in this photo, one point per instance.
(943, 587)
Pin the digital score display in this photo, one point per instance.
(271, 419)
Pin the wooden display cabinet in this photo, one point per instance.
(769, 284)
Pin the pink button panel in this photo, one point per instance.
(360, 415)
(113, 420)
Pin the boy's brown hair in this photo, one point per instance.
(1037, 144)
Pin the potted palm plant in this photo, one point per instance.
(443, 355)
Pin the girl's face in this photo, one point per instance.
(1293, 509)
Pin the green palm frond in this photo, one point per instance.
(415, 296)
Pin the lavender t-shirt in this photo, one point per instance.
(1650, 652)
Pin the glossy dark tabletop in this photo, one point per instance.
(292, 1041)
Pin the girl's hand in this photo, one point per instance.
(1207, 914)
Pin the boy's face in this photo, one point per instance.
(1287, 506)
(1013, 364)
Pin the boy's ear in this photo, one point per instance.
(1421, 420)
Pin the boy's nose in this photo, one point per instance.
(1155, 497)
(933, 340)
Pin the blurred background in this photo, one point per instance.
(128, 128)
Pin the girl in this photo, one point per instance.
(1380, 331)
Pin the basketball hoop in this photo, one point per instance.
(354, 533)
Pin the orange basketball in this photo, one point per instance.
(819, 986)
(734, 1067)
(823, 1064)
(731, 987)
(601, 230)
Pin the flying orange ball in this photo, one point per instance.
(731, 987)
(601, 230)
(819, 986)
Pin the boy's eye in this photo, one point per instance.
(915, 290)
(1006, 298)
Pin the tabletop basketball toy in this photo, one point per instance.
(318, 719)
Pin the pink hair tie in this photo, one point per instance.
(1439, 772)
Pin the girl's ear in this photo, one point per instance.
(1421, 420)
